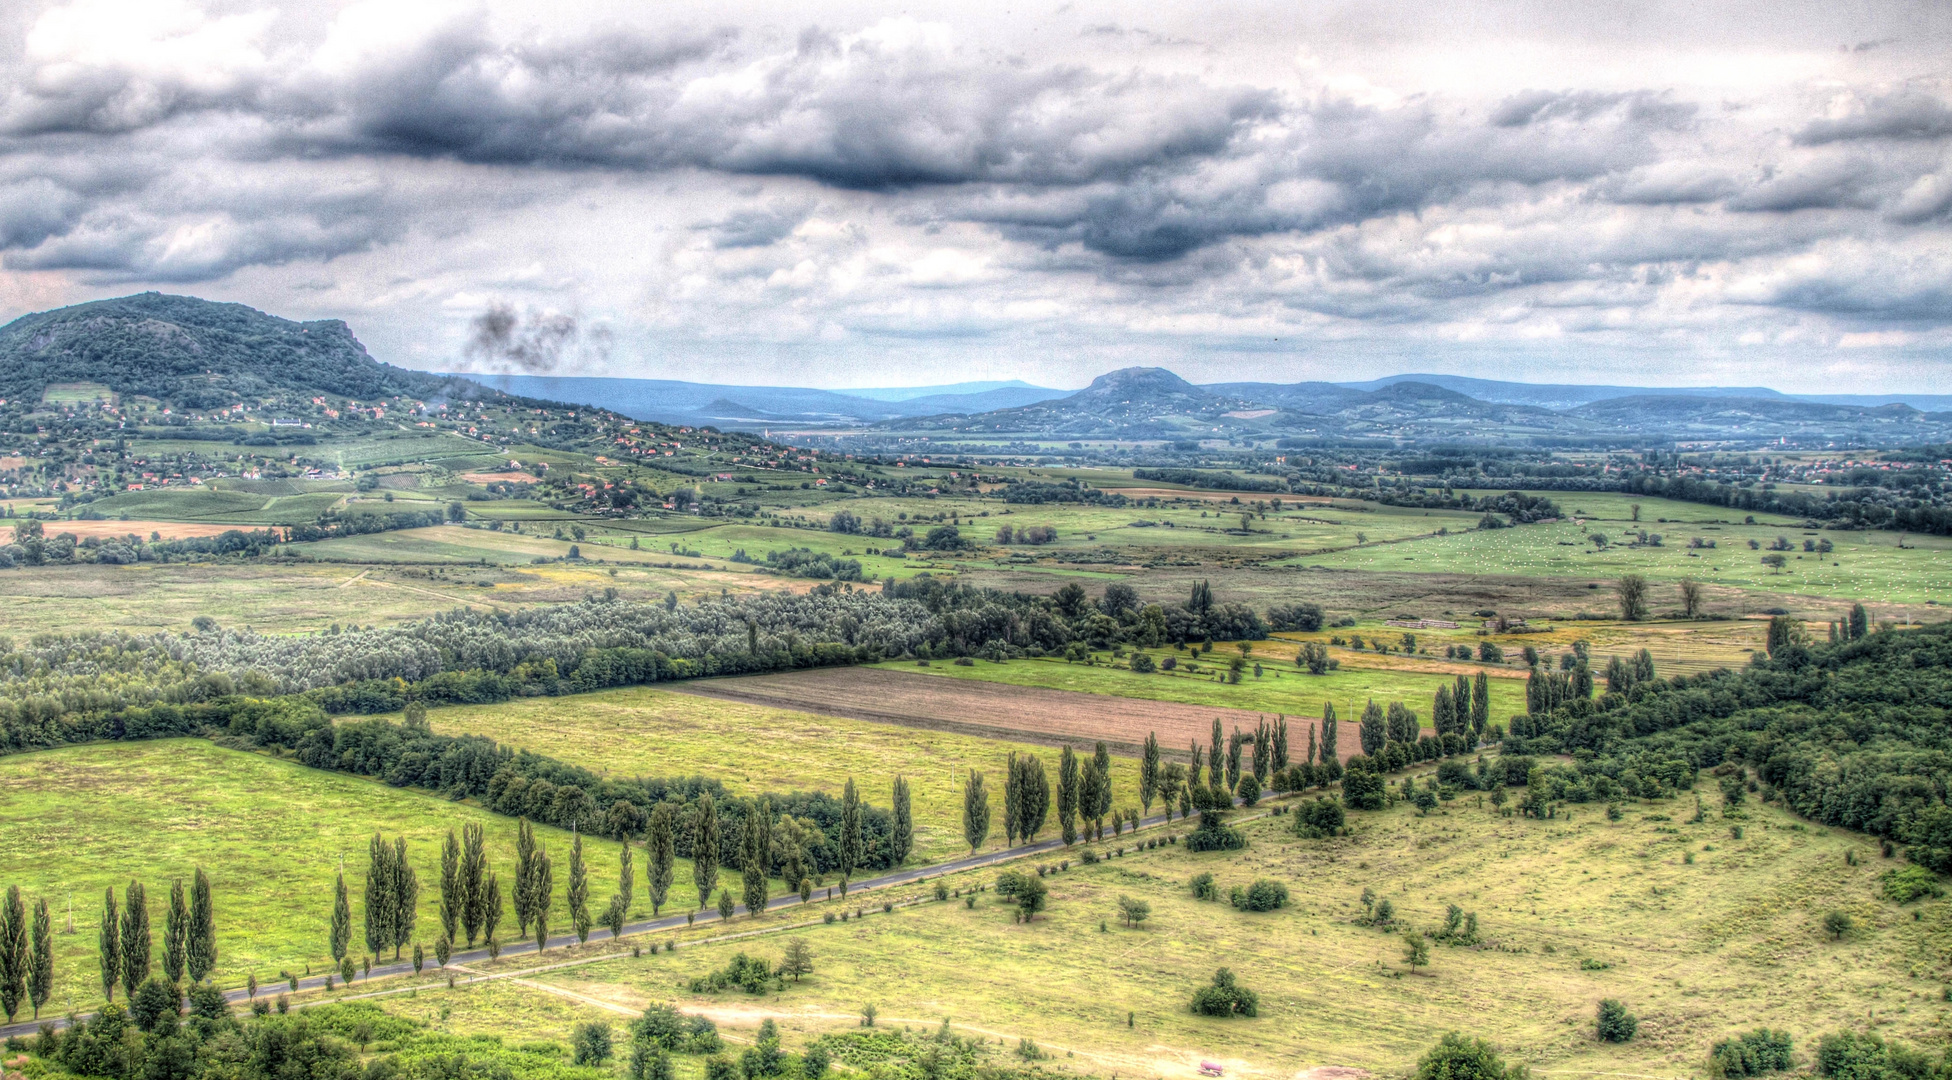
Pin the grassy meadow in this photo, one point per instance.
(270, 833)
(1702, 935)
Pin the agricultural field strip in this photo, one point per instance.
(978, 708)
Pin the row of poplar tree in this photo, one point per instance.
(471, 895)
(126, 945)
(26, 956)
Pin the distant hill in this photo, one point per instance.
(673, 401)
(195, 354)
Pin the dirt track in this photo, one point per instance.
(1034, 714)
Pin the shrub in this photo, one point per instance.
(1458, 1058)
(1760, 1051)
(1226, 997)
(748, 973)
(1837, 924)
(1615, 1024)
(1204, 888)
(1362, 789)
(1323, 817)
(1263, 895)
(589, 1044)
(1905, 884)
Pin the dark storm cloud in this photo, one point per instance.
(759, 227)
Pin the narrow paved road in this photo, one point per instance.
(649, 926)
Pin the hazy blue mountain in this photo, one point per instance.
(972, 389)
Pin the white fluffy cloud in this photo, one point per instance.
(857, 198)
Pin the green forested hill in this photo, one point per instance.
(195, 354)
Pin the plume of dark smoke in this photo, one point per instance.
(532, 341)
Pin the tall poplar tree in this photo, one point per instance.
(1279, 753)
(1374, 732)
(405, 901)
(176, 930)
(491, 911)
(975, 811)
(704, 847)
(1087, 798)
(1149, 771)
(1440, 710)
(1101, 762)
(135, 938)
(1012, 781)
(110, 944)
(851, 849)
(524, 865)
(1215, 777)
(1327, 754)
(1034, 799)
(1310, 759)
(40, 969)
(754, 854)
(1263, 745)
(341, 920)
(901, 840)
(578, 892)
(661, 853)
(473, 887)
(452, 903)
(202, 953)
(1480, 705)
(542, 886)
(379, 895)
(15, 959)
(626, 886)
(1067, 795)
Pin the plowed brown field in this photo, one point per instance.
(995, 709)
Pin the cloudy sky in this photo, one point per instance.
(864, 194)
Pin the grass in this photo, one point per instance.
(270, 833)
(754, 750)
(1865, 564)
(1282, 690)
(1699, 951)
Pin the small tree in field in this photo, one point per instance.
(1416, 950)
(1632, 592)
(798, 960)
(1133, 911)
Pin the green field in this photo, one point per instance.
(1699, 951)
(754, 750)
(1289, 691)
(270, 833)
(1865, 565)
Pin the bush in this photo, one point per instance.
(1615, 1024)
(1304, 617)
(668, 1029)
(748, 973)
(1263, 895)
(1142, 663)
(1249, 789)
(589, 1044)
(1905, 884)
(1204, 888)
(1323, 817)
(1362, 789)
(1458, 1058)
(1837, 924)
(1760, 1051)
(1226, 997)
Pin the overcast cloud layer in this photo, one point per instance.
(1687, 193)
